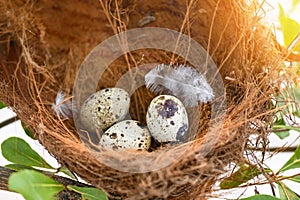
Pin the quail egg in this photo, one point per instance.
(104, 108)
(167, 119)
(128, 134)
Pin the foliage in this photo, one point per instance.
(242, 175)
(286, 193)
(29, 179)
(293, 162)
(2, 105)
(281, 127)
(261, 197)
(290, 28)
(248, 172)
(289, 102)
(295, 179)
(17, 151)
(89, 193)
(28, 131)
(34, 185)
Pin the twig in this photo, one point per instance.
(279, 149)
(9, 121)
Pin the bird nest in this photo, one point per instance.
(44, 43)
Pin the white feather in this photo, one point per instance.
(183, 81)
(62, 106)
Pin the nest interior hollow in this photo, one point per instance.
(44, 42)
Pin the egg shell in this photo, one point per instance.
(167, 119)
(104, 108)
(128, 134)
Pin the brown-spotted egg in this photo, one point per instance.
(167, 119)
(128, 134)
(104, 108)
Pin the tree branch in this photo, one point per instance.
(9, 121)
(63, 195)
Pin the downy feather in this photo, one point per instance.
(183, 81)
(62, 106)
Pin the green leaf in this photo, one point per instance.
(2, 105)
(17, 151)
(282, 134)
(261, 197)
(289, 100)
(34, 185)
(295, 179)
(18, 167)
(244, 174)
(28, 131)
(286, 193)
(67, 172)
(280, 125)
(88, 193)
(290, 28)
(293, 162)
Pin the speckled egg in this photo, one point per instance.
(104, 108)
(167, 119)
(128, 134)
